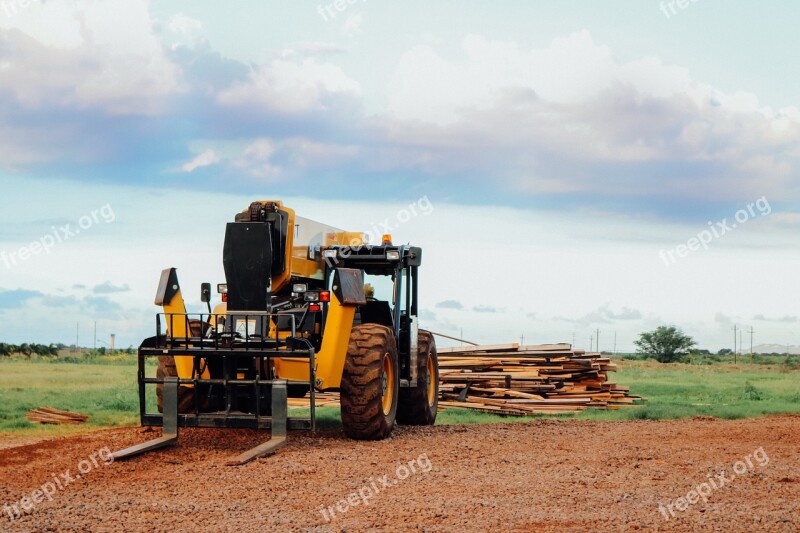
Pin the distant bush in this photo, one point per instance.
(631, 357)
(792, 362)
(28, 350)
(700, 359)
(70, 359)
(752, 393)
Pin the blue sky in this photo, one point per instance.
(567, 149)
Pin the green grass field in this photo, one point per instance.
(106, 390)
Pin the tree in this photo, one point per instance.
(725, 351)
(667, 344)
(25, 349)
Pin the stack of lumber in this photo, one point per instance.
(321, 399)
(51, 415)
(510, 379)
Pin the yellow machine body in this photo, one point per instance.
(174, 311)
(331, 357)
(305, 240)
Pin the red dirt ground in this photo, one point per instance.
(548, 475)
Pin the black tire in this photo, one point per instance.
(370, 383)
(166, 368)
(296, 391)
(418, 405)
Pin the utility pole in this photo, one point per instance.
(95, 336)
(77, 335)
(597, 348)
(751, 345)
(740, 340)
(734, 344)
(591, 343)
(573, 340)
(615, 343)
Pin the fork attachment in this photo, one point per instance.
(170, 431)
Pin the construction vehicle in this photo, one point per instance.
(306, 307)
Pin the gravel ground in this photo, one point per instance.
(548, 475)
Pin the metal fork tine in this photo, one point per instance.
(170, 433)
(280, 406)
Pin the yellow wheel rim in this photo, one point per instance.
(388, 384)
(431, 381)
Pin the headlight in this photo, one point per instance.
(312, 297)
(299, 287)
(222, 288)
(329, 254)
(393, 255)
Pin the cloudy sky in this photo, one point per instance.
(574, 166)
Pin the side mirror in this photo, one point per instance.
(205, 292)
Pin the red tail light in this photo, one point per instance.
(224, 296)
(325, 296)
(314, 307)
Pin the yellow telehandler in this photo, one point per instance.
(306, 307)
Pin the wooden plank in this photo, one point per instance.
(471, 349)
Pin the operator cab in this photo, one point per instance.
(392, 272)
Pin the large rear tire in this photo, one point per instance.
(418, 405)
(370, 383)
(166, 368)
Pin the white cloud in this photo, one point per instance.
(259, 157)
(189, 32)
(98, 55)
(572, 119)
(288, 87)
(429, 87)
(204, 159)
(255, 159)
